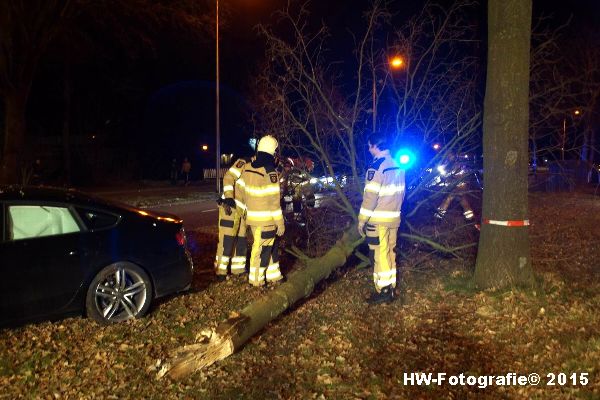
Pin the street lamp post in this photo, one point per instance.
(218, 119)
(374, 103)
(564, 139)
(564, 134)
(394, 63)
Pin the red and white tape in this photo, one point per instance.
(514, 223)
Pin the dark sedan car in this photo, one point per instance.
(63, 252)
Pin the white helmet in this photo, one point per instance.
(267, 144)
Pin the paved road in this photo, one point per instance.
(197, 211)
(195, 215)
(194, 204)
(204, 212)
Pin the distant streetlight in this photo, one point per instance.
(564, 134)
(218, 121)
(204, 147)
(394, 63)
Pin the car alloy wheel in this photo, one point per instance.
(119, 292)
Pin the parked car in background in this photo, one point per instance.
(63, 252)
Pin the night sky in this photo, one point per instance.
(241, 48)
(159, 104)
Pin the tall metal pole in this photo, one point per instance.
(374, 104)
(564, 139)
(218, 119)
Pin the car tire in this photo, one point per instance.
(118, 292)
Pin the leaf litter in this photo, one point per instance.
(335, 346)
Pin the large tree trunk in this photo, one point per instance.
(15, 102)
(503, 258)
(232, 333)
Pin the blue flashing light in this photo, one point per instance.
(405, 157)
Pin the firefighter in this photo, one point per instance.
(456, 180)
(296, 184)
(259, 184)
(286, 188)
(300, 179)
(232, 247)
(379, 216)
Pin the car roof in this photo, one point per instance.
(71, 196)
(53, 194)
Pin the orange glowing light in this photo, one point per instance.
(396, 62)
(577, 112)
(204, 147)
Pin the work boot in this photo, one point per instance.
(385, 296)
(260, 286)
(241, 277)
(276, 284)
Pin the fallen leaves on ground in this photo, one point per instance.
(333, 345)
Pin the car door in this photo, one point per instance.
(42, 260)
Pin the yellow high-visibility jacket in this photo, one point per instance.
(230, 190)
(384, 192)
(259, 186)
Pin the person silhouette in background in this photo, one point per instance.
(186, 167)
(174, 172)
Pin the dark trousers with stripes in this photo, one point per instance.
(232, 247)
(382, 243)
(264, 258)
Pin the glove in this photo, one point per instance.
(361, 229)
(228, 205)
(230, 202)
(280, 230)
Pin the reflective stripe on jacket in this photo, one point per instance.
(260, 195)
(384, 192)
(231, 177)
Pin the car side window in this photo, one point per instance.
(30, 221)
(97, 220)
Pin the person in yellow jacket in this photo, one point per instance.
(379, 216)
(455, 176)
(232, 246)
(259, 185)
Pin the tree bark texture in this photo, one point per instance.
(503, 258)
(232, 333)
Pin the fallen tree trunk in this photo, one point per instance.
(232, 333)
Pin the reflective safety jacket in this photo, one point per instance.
(229, 182)
(456, 176)
(384, 192)
(296, 183)
(259, 186)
